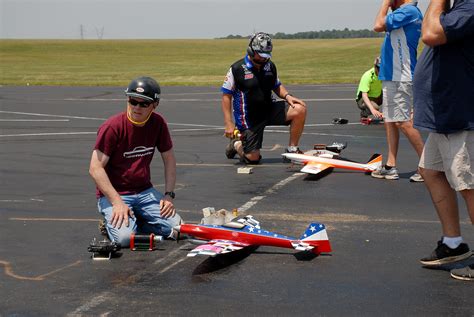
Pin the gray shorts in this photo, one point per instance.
(452, 154)
(397, 100)
(362, 106)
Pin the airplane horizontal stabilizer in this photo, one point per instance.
(301, 246)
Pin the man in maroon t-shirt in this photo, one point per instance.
(120, 167)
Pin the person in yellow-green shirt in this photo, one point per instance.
(369, 93)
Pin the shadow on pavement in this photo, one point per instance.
(222, 261)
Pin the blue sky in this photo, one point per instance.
(164, 19)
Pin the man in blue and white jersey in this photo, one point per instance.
(247, 99)
(402, 27)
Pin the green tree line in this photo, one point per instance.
(325, 34)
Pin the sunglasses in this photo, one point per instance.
(143, 104)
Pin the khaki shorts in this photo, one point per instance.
(397, 100)
(362, 106)
(452, 154)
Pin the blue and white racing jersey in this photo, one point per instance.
(251, 91)
(399, 49)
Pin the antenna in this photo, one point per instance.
(81, 30)
(100, 33)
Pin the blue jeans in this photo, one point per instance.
(146, 209)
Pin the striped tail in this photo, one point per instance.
(317, 237)
(374, 162)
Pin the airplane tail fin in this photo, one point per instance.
(315, 238)
(374, 162)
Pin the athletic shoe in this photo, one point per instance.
(382, 172)
(174, 235)
(465, 273)
(230, 150)
(416, 178)
(444, 254)
(102, 228)
(287, 160)
(365, 113)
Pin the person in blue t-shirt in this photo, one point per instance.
(444, 106)
(402, 27)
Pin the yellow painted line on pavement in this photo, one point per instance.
(230, 165)
(53, 219)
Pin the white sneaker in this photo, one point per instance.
(381, 172)
(416, 178)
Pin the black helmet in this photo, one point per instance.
(260, 43)
(144, 87)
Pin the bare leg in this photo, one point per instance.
(413, 135)
(445, 201)
(239, 148)
(393, 137)
(468, 196)
(297, 116)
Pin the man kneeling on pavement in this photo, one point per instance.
(369, 93)
(120, 167)
(247, 94)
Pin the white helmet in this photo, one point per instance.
(260, 43)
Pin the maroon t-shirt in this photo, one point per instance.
(131, 150)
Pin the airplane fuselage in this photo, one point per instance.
(259, 237)
(305, 159)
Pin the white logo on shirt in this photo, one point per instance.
(139, 151)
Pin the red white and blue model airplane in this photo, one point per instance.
(246, 232)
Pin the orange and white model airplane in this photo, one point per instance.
(316, 161)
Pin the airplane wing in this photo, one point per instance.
(315, 168)
(215, 247)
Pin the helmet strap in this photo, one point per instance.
(259, 63)
(129, 117)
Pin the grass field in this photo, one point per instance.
(176, 62)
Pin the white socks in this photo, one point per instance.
(452, 242)
(292, 148)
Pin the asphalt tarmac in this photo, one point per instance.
(378, 229)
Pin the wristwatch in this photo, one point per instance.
(171, 194)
